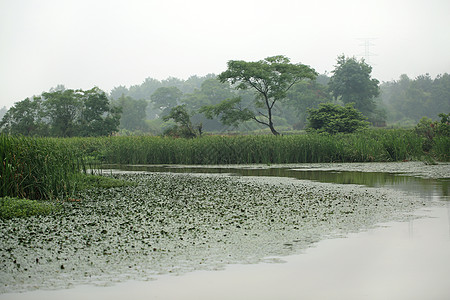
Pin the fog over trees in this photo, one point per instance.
(146, 108)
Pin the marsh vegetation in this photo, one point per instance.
(61, 225)
(176, 223)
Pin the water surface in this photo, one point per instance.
(240, 222)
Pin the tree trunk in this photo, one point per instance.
(273, 130)
(269, 110)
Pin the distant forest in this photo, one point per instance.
(400, 103)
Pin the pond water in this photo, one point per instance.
(396, 178)
(372, 253)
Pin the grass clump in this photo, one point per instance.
(364, 146)
(85, 181)
(37, 168)
(20, 208)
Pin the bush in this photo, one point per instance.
(435, 136)
(332, 118)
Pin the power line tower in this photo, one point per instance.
(367, 43)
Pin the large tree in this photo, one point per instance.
(25, 117)
(352, 82)
(269, 79)
(98, 117)
(63, 113)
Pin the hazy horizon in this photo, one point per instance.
(82, 44)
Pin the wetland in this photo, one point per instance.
(183, 219)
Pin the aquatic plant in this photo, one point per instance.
(19, 208)
(37, 168)
(366, 146)
(176, 223)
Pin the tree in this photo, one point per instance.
(333, 118)
(165, 98)
(133, 113)
(352, 82)
(25, 117)
(305, 95)
(63, 108)
(269, 79)
(63, 113)
(184, 128)
(97, 117)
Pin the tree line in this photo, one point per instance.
(63, 113)
(272, 93)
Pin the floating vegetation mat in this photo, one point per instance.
(176, 223)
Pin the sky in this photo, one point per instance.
(108, 43)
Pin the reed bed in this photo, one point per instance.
(441, 148)
(367, 146)
(47, 168)
(38, 168)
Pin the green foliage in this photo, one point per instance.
(166, 98)
(425, 129)
(97, 118)
(435, 136)
(85, 181)
(305, 95)
(150, 85)
(20, 208)
(63, 113)
(229, 111)
(184, 127)
(333, 118)
(412, 99)
(270, 79)
(365, 146)
(352, 82)
(26, 118)
(441, 148)
(38, 168)
(133, 113)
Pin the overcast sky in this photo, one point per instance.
(107, 43)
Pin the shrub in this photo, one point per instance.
(333, 118)
(435, 136)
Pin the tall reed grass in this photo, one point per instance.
(46, 168)
(38, 168)
(367, 146)
(441, 148)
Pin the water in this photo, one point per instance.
(426, 187)
(395, 260)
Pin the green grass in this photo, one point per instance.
(38, 168)
(20, 208)
(441, 148)
(49, 168)
(85, 181)
(366, 146)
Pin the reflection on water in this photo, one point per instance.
(426, 187)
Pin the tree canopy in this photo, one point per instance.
(352, 82)
(133, 113)
(269, 79)
(63, 113)
(165, 98)
(408, 100)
